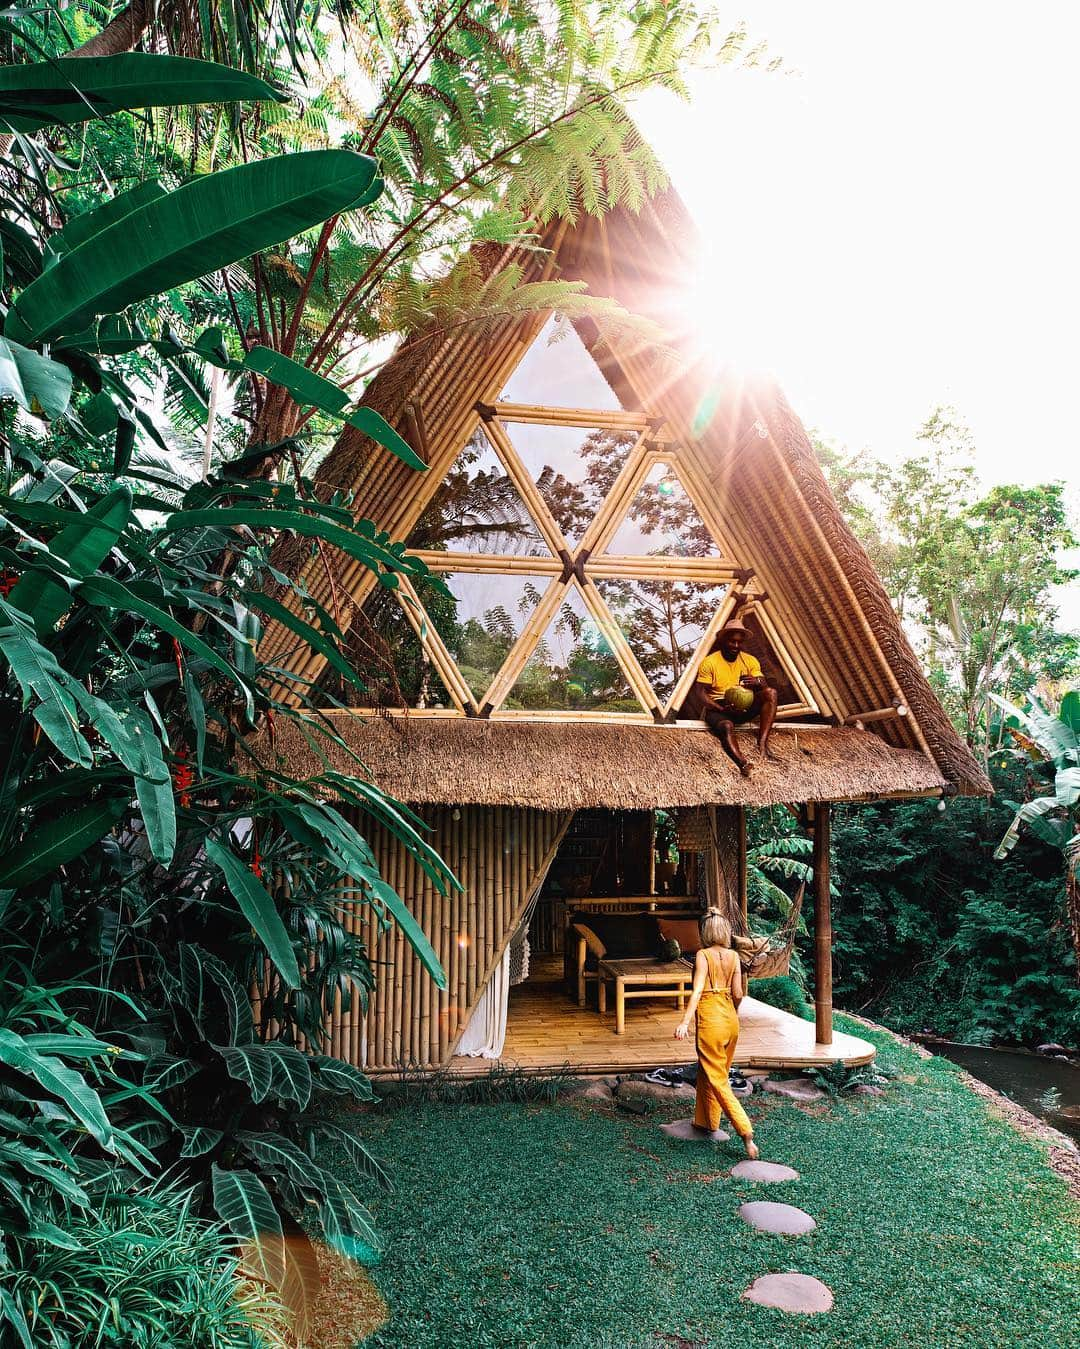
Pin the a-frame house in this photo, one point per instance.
(597, 507)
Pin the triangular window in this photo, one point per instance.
(663, 622)
(479, 617)
(573, 667)
(477, 509)
(573, 469)
(557, 371)
(662, 521)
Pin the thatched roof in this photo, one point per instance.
(781, 518)
(578, 765)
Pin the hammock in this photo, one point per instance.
(766, 957)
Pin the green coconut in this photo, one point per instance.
(738, 698)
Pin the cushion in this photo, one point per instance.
(592, 941)
(685, 931)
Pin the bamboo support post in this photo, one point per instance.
(822, 826)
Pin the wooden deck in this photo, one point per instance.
(546, 1030)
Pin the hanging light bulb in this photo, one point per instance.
(941, 804)
(455, 814)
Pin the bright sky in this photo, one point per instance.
(894, 223)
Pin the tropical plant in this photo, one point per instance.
(1050, 745)
(134, 1269)
(152, 863)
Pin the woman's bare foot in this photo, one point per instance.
(751, 1149)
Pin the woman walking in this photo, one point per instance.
(718, 990)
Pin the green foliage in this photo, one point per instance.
(784, 992)
(931, 933)
(134, 1269)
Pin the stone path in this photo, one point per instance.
(684, 1129)
(789, 1291)
(782, 1219)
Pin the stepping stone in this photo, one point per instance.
(684, 1129)
(868, 1089)
(766, 1172)
(795, 1088)
(791, 1292)
(782, 1219)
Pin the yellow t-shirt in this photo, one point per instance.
(721, 674)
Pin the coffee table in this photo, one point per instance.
(642, 979)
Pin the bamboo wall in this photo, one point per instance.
(500, 854)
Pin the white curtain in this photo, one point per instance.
(485, 1034)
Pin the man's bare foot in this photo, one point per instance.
(767, 752)
(745, 769)
(751, 1149)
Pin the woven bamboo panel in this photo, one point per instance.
(500, 855)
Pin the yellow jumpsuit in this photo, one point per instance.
(717, 1036)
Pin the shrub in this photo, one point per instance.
(139, 1270)
(784, 992)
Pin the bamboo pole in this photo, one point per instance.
(586, 418)
(484, 563)
(523, 481)
(822, 925)
(741, 833)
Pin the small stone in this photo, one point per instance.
(654, 1093)
(782, 1220)
(867, 1089)
(791, 1292)
(767, 1173)
(684, 1129)
(795, 1089)
(1051, 1049)
(592, 1091)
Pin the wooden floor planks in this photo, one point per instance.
(546, 1030)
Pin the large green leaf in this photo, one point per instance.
(206, 225)
(415, 934)
(84, 544)
(250, 1064)
(40, 676)
(347, 1223)
(81, 227)
(61, 1082)
(291, 1074)
(208, 986)
(37, 384)
(1070, 711)
(69, 90)
(52, 843)
(244, 1205)
(369, 423)
(258, 907)
(338, 1076)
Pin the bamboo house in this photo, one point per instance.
(598, 504)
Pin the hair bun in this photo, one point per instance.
(714, 909)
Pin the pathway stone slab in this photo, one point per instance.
(764, 1172)
(791, 1292)
(782, 1219)
(796, 1089)
(684, 1129)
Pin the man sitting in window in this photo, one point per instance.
(731, 690)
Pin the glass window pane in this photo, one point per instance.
(662, 521)
(477, 509)
(663, 622)
(573, 668)
(481, 618)
(573, 468)
(557, 371)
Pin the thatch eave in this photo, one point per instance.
(557, 765)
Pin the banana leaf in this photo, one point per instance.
(204, 226)
(69, 90)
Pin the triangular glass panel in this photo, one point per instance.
(662, 521)
(557, 371)
(573, 468)
(573, 668)
(663, 623)
(477, 509)
(481, 618)
(383, 648)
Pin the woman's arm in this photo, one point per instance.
(682, 1030)
(737, 988)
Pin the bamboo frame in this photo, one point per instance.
(585, 418)
(822, 827)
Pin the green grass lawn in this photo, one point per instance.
(560, 1225)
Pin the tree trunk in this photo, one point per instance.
(122, 33)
